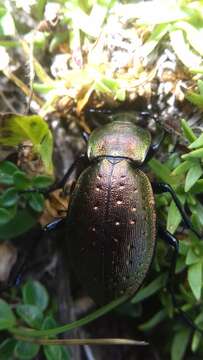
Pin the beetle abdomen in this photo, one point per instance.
(111, 229)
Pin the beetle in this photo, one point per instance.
(111, 226)
(111, 222)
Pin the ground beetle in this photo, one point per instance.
(111, 224)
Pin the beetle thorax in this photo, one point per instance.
(120, 139)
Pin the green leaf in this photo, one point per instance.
(6, 215)
(191, 258)
(182, 168)
(156, 319)
(31, 315)
(199, 320)
(9, 197)
(102, 87)
(195, 279)
(40, 9)
(7, 317)
(36, 202)
(196, 340)
(149, 290)
(45, 150)
(194, 98)
(174, 218)
(200, 86)
(7, 348)
(162, 171)
(183, 248)
(7, 25)
(198, 142)
(198, 187)
(6, 179)
(49, 323)
(194, 36)
(66, 354)
(7, 167)
(156, 35)
(193, 175)
(18, 128)
(180, 343)
(52, 352)
(187, 131)
(198, 154)
(183, 51)
(120, 95)
(198, 210)
(22, 222)
(21, 180)
(111, 84)
(35, 293)
(26, 350)
(42, 181)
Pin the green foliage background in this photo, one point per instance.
(181, 23)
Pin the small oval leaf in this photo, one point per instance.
(195, 279)
(193, 175)
(21, 180)
(36, 202)
(52, 352)
(7, 348)
(31, 314)
(174, 217)
(6, 215)
(42, 181)
(9, 197)
(35, 293)
(7, 317)
(26, 350)
(198, 142)
(7, 167)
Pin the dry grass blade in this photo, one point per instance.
(107, 341)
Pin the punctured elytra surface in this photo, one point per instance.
(111, 229)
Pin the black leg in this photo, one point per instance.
(35, 236)
(61, 183)
(172, 241)
(159, 188)
(155, 146)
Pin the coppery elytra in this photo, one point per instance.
(111, 226)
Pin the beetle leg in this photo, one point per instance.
(61, 183)
(159, 188)
(35, 236)
(155, 146)
(172, 241)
